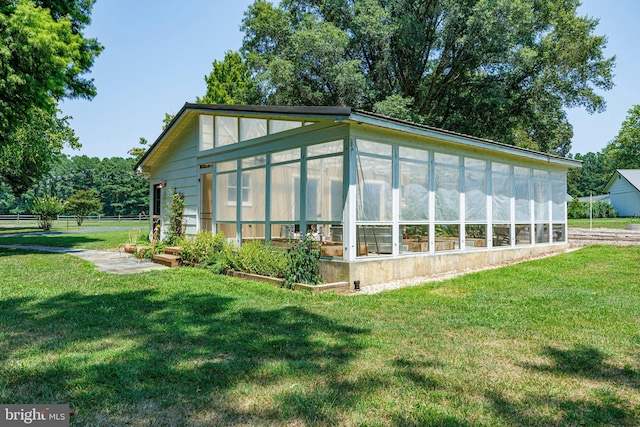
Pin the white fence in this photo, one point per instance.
(92, 218)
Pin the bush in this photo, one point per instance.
(303, 258)
(258, 258)
(207, 251)
(48, 208)
(578, 209)
(175, 208)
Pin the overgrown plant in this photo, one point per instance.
(47, 208)
(207, 251)
(256, 257)
(303, 258)
(175, 208)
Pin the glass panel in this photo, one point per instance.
(523, 197)
(558, 195)
(415, 238)
(206, 132)
(285, 192)
(333, 147)
(518, 170)
(285, 156)
(227, 166)
(226, 130)
(447, 237)
(324, 189)
(447, 189)
(254, 161)
(542, 233)
(413, 154)
(252, 232)
(475, 191)
(226, 185)
(228, 230)
(474, 163)
(374, 240)
(329, 237)
(558, 176)
(540, 174)
(446, 159)
(500, 167)
(414, 191)
(276, 126)
(523, 234)
(541, 197)
(501, 185)
(559, 233)
(252, 128)
(501, 235)
(206, 203)
(475, 236)
(253, 195)
(374, 148)
(373, 197)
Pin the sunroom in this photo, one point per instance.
(385, 199)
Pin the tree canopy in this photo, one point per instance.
(43, 59)
(500, 69)
(624, 151)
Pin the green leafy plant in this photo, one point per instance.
(208, 251)
(303, 258)
(175, 208)
(81, 204)
(258, 258)
(48, 208)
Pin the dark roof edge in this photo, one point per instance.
(462, 135)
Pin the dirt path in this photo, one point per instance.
(579, 237)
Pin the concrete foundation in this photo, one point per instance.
(370, 271)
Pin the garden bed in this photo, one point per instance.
(338, 287)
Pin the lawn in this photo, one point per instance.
(10, 227)
(551, 342)
(620, 223)
(85, 240)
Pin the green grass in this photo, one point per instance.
(10, 227)
(551, 342)
(87, 240)
(620, 223)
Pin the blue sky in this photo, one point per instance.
(157, 54)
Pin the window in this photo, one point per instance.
(226, 130)
(232, 188)
(206, 132)
(157, 197)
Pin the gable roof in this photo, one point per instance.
(352, 115)
(632, 176)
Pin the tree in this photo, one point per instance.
(593, 175)
(47, 208)
(138, 152)
(502, 69)
(230, 82)
(81, 204)
(624, 151)
(43, 58)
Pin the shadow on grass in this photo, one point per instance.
(118, 355)
(586, 362)
(606, 409)
(57, 239)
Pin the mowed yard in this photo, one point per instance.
(551, 342)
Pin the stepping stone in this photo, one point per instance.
(167, 260)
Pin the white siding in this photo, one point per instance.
(625, 198)
(178, 168)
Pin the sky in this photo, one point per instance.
(157, 54)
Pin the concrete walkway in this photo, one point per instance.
(108, 261)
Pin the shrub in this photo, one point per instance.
(175, 208)
(207, 251)
(578, 209)
(48, 208)
(303, 257)
(258, 258)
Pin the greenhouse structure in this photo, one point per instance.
(385, 199)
